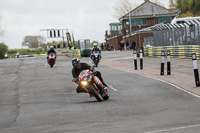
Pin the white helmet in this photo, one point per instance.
(51, 47)
(95, 45)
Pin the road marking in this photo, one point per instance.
(172, 129)
(122, 58)
(112, 88)
(197, 96)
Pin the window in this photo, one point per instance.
(156, 20)
(162, 20)
(119, 29)
(136, 22)
(144, 22)
(114, 28)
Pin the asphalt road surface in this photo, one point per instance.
(35, 98)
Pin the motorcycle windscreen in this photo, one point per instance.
(95, 52)
(83, 73)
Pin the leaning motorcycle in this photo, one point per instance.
(51, 59)
(87, 81)
(96, 58)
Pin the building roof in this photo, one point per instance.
(178, 23)
(151, 9)
(118, 23)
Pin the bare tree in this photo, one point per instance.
(33, 41)
(1, 31)
(172, 4)
(158, 3)
(122, 7)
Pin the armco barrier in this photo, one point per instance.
(170, 48)
(181, 51)
(74, 53)
(66, 52)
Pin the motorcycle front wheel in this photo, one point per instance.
(105, 96)
(95, 93)
(51, 63)
(96, 63)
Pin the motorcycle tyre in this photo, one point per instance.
(96, 63)
(105, 96)
(51, 63)
(95, 93)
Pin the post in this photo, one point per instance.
(162, 63)
(63, 39)
(135, 59)
(141, 59)
(196, 72)
(168, 63)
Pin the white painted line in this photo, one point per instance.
(162, 81)
(122, 58)
(172, 129)
(109, 86)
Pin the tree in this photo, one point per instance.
(123, 7)
(187, 7)
(158, 3)
(1, 31)
(3, 50)
(43, 46)
(91, 44)
(33, 41)
(172, 4)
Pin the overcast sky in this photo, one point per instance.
(88, 19)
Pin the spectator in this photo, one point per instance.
(127, 44)
(122, 45)
(69, 46)
(107, 47)
(133, 44)
(17, 54)
(111, 47)
(101, 46)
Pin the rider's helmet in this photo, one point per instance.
(95, 45)
(51, 48)
(76, 62)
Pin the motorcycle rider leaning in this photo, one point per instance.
(96, 48)
(78, 67)
(51, 51)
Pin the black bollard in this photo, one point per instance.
(196, 72)
(168, 63)
(141, 59)
(162, 63)
(135, 59)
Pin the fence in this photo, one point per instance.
(184, 32)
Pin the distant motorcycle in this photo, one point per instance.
(96, 57)
(86, 81)
(51, 59)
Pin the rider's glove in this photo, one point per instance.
(75, 80)
(92, 69)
